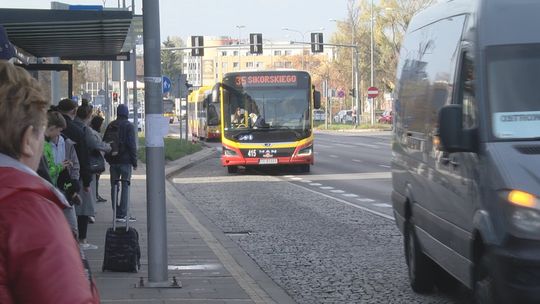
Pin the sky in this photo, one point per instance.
(186, 18)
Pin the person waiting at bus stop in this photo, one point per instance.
(39, 258)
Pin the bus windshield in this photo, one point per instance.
(513, 76)
(267, 109)
(213, 114)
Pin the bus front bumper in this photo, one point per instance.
(233, 157)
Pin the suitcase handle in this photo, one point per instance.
(115, 199)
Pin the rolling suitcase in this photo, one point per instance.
(122, 251)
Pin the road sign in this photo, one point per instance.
(372, 92)
(340, 94)
(166, 84)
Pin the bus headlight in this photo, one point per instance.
(229, 152)
(306, 151)
(526, 216)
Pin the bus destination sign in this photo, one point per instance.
(266, 80)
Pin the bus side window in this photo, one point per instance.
(467, 93)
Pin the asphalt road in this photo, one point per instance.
(327, 236)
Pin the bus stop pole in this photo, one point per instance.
(155, 171)
(357, 91)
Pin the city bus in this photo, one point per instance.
(203, 115)
(266, 119)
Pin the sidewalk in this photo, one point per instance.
(210, 267)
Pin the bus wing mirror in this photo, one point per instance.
(216, 93)
(317, 99)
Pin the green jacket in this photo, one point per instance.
(54, 169)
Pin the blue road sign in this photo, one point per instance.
(341, 94)
(166, 84)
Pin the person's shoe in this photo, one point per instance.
(101, 199)
(132, 219)
(88, 246)
(91, 219)
(120, 219)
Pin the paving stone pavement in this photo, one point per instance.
(210, 267)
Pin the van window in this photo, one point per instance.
(427, 65)
(513, 77)
(467, 95)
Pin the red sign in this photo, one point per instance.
(372, 92)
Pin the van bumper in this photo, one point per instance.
(517, 271)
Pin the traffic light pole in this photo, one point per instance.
(356, 73)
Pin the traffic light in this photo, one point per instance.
(255, 43)
(352, 92)
(197, 44)
(317, 42)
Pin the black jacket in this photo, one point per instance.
(128, 144)
(75, 131)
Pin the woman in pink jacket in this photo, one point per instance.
(39, 258)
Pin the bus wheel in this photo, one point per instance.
(232, 169)
(305, 168)
(420, 267)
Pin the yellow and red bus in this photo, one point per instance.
(203, 115)
(266, 119)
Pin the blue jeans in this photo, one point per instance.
(121, 171)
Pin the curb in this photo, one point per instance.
(173, 167)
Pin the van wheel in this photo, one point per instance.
(484, 289)
(232, 169)
(420, 266)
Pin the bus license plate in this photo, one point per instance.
(268, 161)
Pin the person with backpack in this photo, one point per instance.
(122, 158)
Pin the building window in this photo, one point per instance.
(235, 64)
(277, 53)
(288, 64)
(288, 53)
(224, 65)
(223, 53)
(235, 53)
(248, 53)
(249, 64)
(258, 64)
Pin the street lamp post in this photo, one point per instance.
(372, 106)
(239, 27)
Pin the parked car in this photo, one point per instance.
(386, 117)
(319, 115)
(344, 116)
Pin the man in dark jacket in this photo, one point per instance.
(75, 132)
(123, 157)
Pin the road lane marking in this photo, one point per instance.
(350, 195)
(337, 191)
(296, 178)
(315, 184)
(366, 145)
(357, 161)
(327, 188)
(224, 179)
(305, 181)
(351, 176)
(365, 200)
(386, 216)
(385, 166)
(383, 205)
(289, 176)
(333, 156)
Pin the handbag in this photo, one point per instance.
(97, 162)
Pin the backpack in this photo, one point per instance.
(112, 136)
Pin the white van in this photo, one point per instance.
(466, 148)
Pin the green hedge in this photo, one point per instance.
(174, 148)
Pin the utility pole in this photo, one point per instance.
(135, 105)
(155, 172)
(372, 106)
